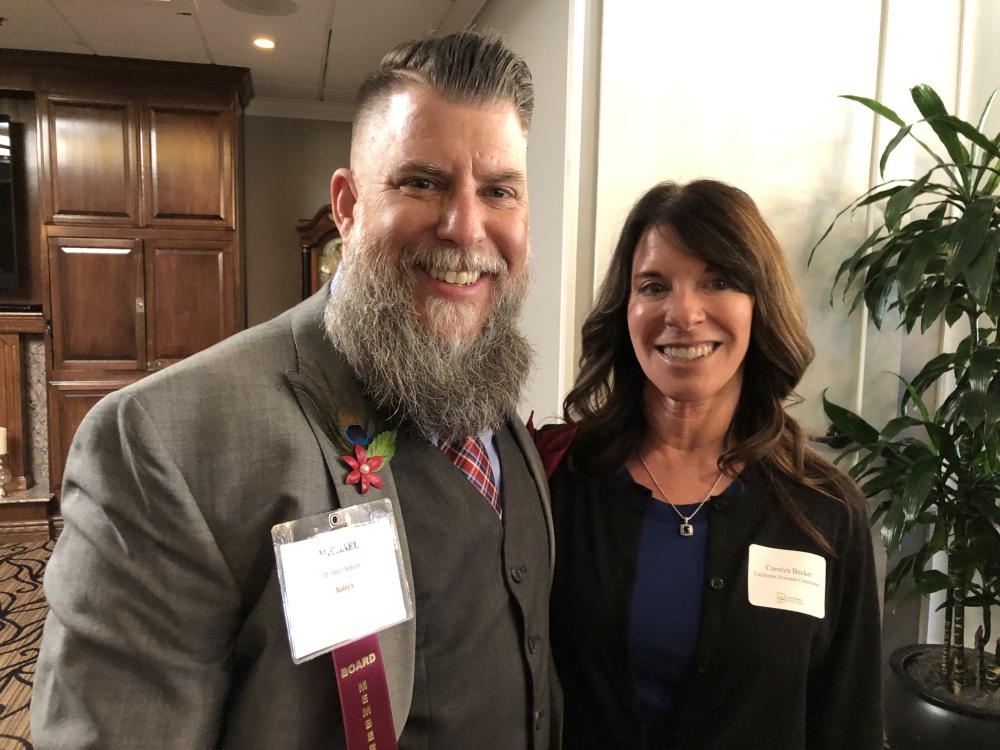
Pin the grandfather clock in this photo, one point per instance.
(320, 243)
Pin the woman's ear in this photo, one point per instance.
(343, 199)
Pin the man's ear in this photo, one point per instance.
(343, 199)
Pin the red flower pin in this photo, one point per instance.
(363, 469)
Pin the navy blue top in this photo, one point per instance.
(665, 613)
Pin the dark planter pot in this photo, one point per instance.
(917, 720)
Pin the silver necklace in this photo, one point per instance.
(685, 528)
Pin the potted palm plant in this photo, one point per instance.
(935, 468)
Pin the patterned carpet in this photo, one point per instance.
(22, 614)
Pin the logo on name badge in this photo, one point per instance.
(784, 598)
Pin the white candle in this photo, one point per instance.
(3, 441)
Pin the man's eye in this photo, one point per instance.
(418, 183)
(499, 193)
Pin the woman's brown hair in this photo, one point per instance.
(722, 226)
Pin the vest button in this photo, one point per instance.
(717, 583)
(517, 572)
(538, 719)
(533, 643)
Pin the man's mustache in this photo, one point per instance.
(450, 258)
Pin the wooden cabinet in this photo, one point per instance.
(188, 165)
(189, 297)
(90, 160)
(130, 304)
(92, 166)
(141, 246)
(69, 402)
(97, 307)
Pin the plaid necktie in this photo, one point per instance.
(469, 455)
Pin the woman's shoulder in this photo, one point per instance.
(552, 441)
(832, 501)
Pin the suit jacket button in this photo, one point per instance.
(538, 719)
(720, 503)
(717, 583)
(517, 573)
(532, 643)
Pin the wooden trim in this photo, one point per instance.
(145, 233)
(12, 410)
(11, 528)
(22, 322)
(25, 70)
(24, 513)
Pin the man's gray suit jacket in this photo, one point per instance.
(165, 627)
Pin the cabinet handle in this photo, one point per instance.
(140, 305)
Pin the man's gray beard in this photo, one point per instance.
(444, 385)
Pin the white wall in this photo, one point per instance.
(747, 93)
(538, 30)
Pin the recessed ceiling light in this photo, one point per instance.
(263, 7)
(263, 42)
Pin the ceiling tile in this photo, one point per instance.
(401, 19)
(34, 24)
(136, 25)
(300, 42)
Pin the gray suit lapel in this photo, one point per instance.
(537, 469)
(324, 386)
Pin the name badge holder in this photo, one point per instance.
(342, 581)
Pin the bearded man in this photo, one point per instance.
(166, 627)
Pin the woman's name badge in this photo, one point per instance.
(341, 576)
(787, 579)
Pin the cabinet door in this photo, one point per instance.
(98, 309)
(89, 151)
(69, 403)
(190, 302)
(188, 165)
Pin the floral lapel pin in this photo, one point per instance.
(371, 453)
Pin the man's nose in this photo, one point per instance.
(685, 308)
(462, 219)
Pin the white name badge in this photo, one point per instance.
(787, 579)
(341, 576)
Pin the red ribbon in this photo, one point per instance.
(364, 695)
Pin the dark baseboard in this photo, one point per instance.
(24, 513)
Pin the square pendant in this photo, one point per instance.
(686, 529)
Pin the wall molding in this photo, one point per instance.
(301, 109)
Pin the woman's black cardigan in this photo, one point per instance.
(761, 678)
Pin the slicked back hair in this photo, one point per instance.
(722, 226)
(470, 67)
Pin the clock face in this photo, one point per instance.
(329, 259)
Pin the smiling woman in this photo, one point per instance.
(686, 483)
(689, 324)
